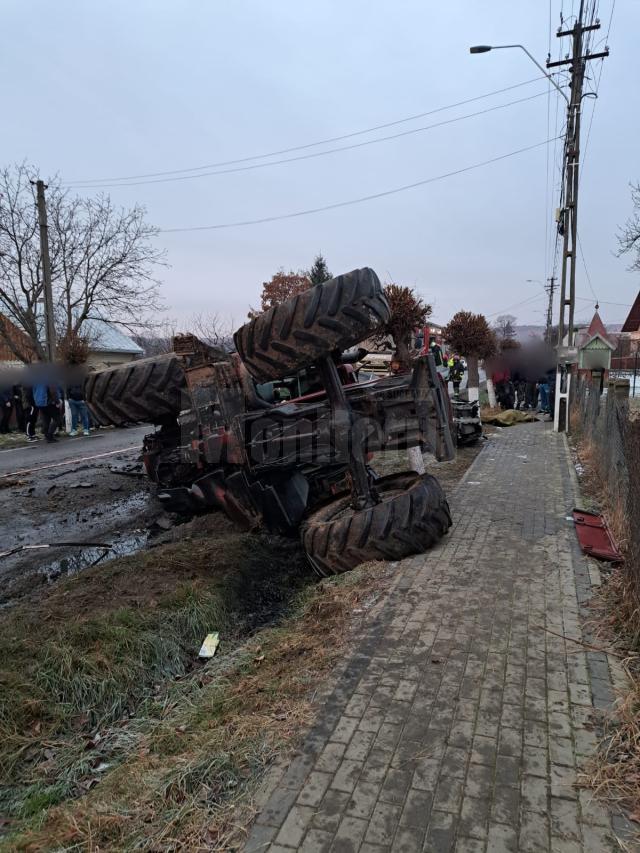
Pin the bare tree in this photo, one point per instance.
(209, 328)
(505, 327)
(102, 260)
(159, 340)
(212, 330)
(629, 233)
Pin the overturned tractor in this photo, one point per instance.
(280, 433)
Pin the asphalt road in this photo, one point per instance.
(41, 456)
(68, 505)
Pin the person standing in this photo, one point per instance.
(30, 413)
(79, 409)
(6, 407)
(18, 408)
(531, 394)
(456, 372)
(47, 399)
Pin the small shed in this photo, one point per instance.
(595, 349)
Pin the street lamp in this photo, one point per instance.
(485, 48)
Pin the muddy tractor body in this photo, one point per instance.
(280, 434)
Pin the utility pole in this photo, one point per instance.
(550, 288)
(46, 270)
(569, 214)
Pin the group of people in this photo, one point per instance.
(451, 367)
(44, 400)
(525, 379)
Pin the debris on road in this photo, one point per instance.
(20, 548)
(594, 536)
(209, 645)
(510, 417)
(164, 522)
(7, 484)
(129, 469)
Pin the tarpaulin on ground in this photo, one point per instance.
(508, 418)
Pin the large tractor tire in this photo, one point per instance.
(335, 315)
(145, 391)
(413, 515)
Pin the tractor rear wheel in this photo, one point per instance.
(335, 315)
(413, 515)
(145, 391)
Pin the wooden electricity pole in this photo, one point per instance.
(550, 290)
(46, 271)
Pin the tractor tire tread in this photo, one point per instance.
(335, 315)
(408, 522)
(144, 391)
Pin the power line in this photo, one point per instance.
(305, 146)
(518, 304)
(546, 184)
(605, 302)
(597, 89)
(584, 264)
(330, 150)
(355, 200)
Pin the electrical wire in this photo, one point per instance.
(290, 150)
(584, 264)
(315, 154)
(546, 186)
(518, 304)
(605, 302)
(597, 92)
(360, 200)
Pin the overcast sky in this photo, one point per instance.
(108, 89)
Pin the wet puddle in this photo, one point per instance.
(84, 558)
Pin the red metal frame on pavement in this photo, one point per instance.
(595, 537)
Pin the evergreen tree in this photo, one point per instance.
(319, 272)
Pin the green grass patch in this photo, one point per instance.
(103, 648)
(178, 774)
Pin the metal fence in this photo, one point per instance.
(614, 439)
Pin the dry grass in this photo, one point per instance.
(194, 755)
(13, 439)
(81, 669)
(614, 773)
(596, 487)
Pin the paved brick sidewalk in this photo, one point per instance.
(462, 718)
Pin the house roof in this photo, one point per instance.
(596, 329)
(596, 326)
(20, 341)
(632, 323)
(105, 337)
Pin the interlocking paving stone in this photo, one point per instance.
(463, 717)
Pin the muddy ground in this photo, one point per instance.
(67, 497)
(106, 500)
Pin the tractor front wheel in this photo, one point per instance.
(413, 514)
